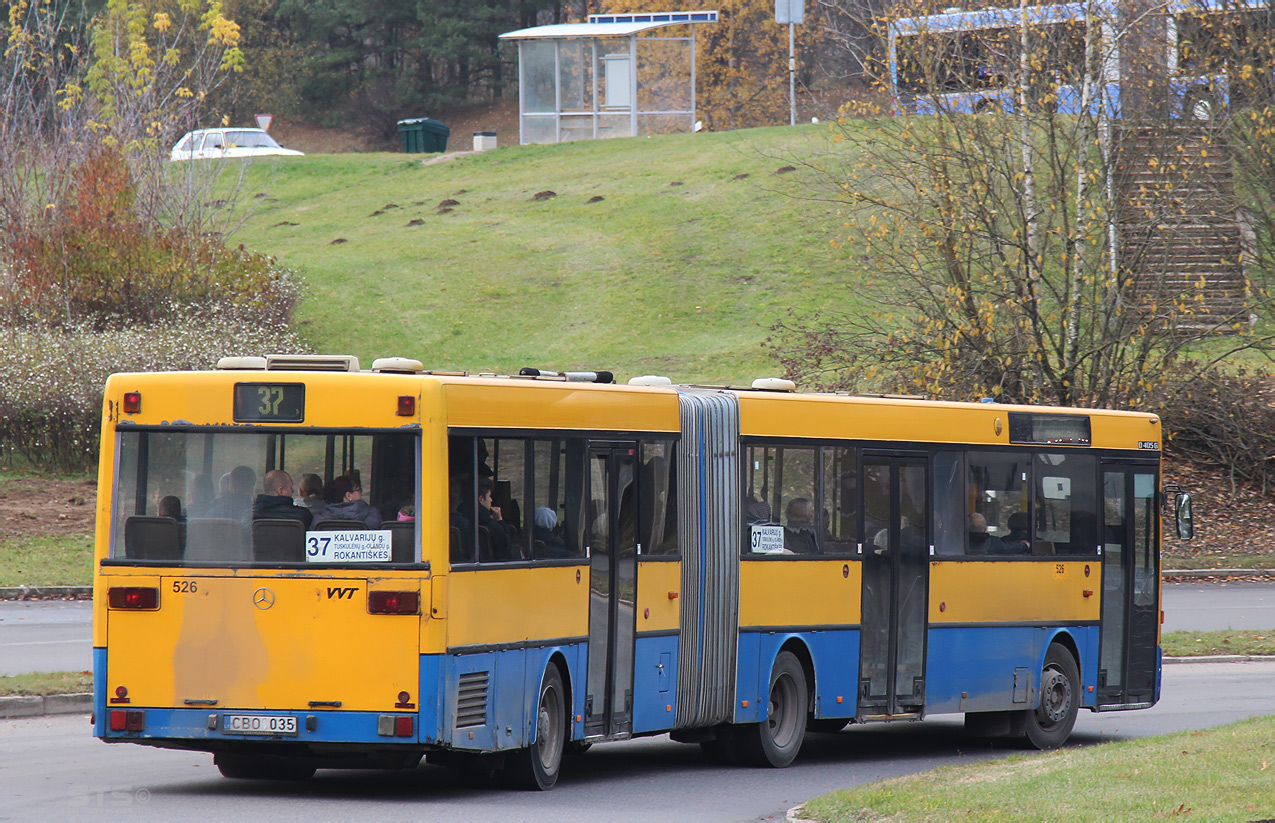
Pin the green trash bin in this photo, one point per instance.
(422, 135)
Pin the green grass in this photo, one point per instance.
(1218, 775)
(684, 279)
(1231, 641)
(64, 560)
(46, 683)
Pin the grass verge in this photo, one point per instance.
(43, 683)
(63, 560)
(1231, 641)
(1220, 774)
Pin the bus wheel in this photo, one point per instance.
(1049, 725)
(536, 767)
(776, 740)
(260, 767)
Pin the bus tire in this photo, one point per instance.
(1049, 725)
(775, 741)
(260, 767)
(536, 767)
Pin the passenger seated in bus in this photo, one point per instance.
(461, 531)
(503, 540)
(236, 503)
(407, 514)
(980, 541)
(171, 506)
(1018, 541)
(758, 512)
(548, 544)
(799, 532)
(276, 503)
(310, 495)
(343, 500)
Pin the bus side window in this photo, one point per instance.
(950, 507)
(658, 498)
(839, 503)
(1066, 520)
(998, 489)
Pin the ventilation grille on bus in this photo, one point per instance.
(471, 699)
(311, 362)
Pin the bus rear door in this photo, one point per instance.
(895, 583)
(611, 537)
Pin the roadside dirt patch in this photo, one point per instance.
(38, 506)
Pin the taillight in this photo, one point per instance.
(406, 405)
(127, 721)
(386, 602)
(395, 725)
(132, 402)
(132, 597)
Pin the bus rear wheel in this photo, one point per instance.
(536, 767)
(1049, 725)
(775, 741)
(260, 767)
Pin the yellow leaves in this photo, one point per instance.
(162, 22)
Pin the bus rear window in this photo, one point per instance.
(245, 497)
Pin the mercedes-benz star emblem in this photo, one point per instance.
(263, 598)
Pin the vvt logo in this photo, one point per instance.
(341, 592)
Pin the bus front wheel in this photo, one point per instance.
(536, 767)
(776, 740)
(1049, 725)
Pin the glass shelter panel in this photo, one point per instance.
(537, 59)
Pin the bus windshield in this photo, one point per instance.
(243, 496)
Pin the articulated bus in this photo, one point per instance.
(969, 61)
(560, 562)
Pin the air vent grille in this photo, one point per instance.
(471, 699)
(312, 362)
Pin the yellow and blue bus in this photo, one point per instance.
(498, 570)
(1217, 57)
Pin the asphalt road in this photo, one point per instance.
(50, 768)
(56, 635)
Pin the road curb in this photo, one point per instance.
(43, 592)
(28, 706)
(1223, 658)
(1198, 574)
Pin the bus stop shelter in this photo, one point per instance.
(607, 77)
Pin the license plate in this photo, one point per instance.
(259, 724)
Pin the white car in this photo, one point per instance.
(218, 143)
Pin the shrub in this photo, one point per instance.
(52, 377)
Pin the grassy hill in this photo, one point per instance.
(693, 249)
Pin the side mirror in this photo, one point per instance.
(1182, 515)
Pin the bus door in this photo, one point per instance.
(611, 541)
(895, 581)
(1130, 586)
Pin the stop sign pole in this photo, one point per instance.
(792, 12)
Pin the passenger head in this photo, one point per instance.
(978, 523)
(545, 517)
(277, 483)
(1018, 522)
(311, 485)
(340, 489)
(170, 506)
(800, 510)
(243, 481)
(485, 485)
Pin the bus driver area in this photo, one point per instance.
(549, 560)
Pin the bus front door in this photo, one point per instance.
(895, 581)
(1130, 587)
(611, 538)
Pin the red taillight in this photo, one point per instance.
(132, 597)
(132, 402)
(403, 725)
(127, 721)
(383, 602)
(406, 406)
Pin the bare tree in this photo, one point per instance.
(1030, 237)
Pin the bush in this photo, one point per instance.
(51, 379)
